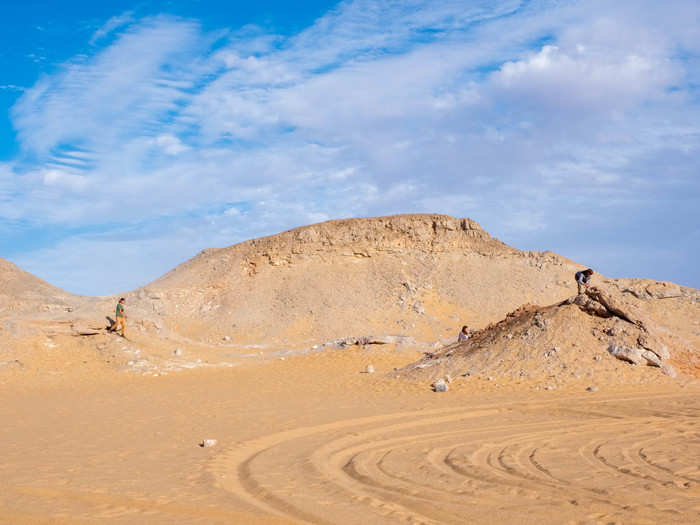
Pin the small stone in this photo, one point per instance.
(177, 351)
(596, 358)
(448, 378)
(592, 388)
(369, 369)
(490, 378)
(208, 443)
(440, 386)
(550, 387)
(626, 353)
(227, 338)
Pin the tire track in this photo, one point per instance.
(587, 458)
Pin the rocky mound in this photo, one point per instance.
(613, 334)
(414, 275)
(22, 292)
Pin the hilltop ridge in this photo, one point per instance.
(357, 237)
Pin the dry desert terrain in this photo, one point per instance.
(312, 356)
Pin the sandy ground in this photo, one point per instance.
(311, 439)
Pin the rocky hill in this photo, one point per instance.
(416, 275)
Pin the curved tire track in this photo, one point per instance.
(587, 459)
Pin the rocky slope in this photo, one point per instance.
(23, 292)
(618, 332)
(416, 275)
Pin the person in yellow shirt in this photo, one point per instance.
(121, 318)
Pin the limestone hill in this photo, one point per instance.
(417, 275)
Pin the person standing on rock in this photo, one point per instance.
(463, 334)
(583, 278)
(121, 318)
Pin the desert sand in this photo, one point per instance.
(559, 409)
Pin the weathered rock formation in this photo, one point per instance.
(578, 338)
(414, 275)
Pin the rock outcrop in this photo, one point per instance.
(581, 337)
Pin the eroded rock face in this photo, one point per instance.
(617, 306)
(650, 348)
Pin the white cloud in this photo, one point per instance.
(170, 144)
(583, 80)
(531, 118)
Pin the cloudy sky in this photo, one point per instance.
(135, 134)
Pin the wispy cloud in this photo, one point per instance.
(112, 25)
(538, 119)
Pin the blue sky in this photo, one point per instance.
(135, 134)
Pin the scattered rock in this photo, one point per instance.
(367, 340)
(369, 369)
(550, 387)
(539, 321)
(653, 344)
(592, 388)
(227, 338)
(652, 358)
(208, 443)
(440, 386)
(177, 351)
(625, 353)
(410, 287)
(448, 378)
(419, 308)
(662, 290)
(614, 331)
(596, 358)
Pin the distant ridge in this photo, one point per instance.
(20, 290)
